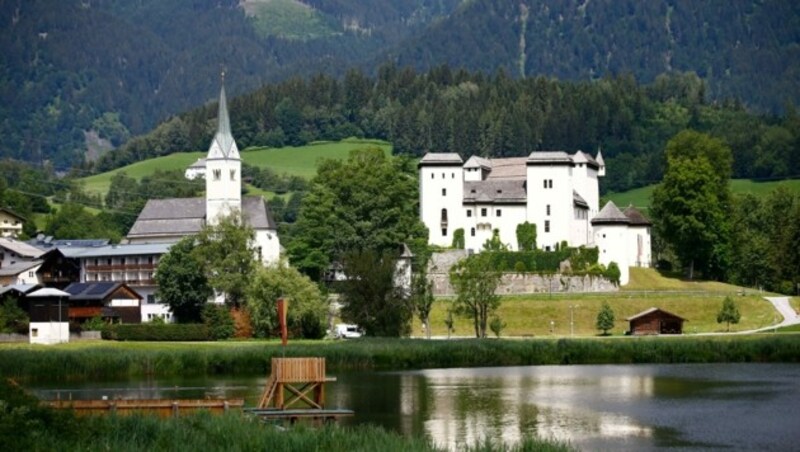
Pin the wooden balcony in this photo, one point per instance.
(121, 267)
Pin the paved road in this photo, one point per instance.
(790, 317)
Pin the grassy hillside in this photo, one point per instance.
(640, 197)
(697, 301)
(289, 19)
(300, 161)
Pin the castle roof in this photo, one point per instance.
(549, 158)
(495, 191)
(610, 214)
(509, 168)
(636, 217)
(578, 200)
(441, 158)
(478, 162)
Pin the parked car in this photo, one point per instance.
(347, 331)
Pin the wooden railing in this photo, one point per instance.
(296, 370)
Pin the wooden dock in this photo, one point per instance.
(161, 407)
(295, 390)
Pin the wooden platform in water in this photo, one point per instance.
(293, 415)
(162, 407)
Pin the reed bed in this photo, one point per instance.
(109, 360)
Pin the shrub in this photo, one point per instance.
(613, 273)
(497, 325)
(519, 267)
(458, 239)
(156, 332)
(96, 323)
(217, 318)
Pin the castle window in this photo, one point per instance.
(444, 215)
(545, 183)
(469, 213)
(217, 174)
(483, 211)
(444, 192)
(498, 212)
(432, 175)
(472, 232)
(444, 232)
(546, 225)
(452, 175)
(548, 210)
(442, 175)
(233, 174)
(550, 183)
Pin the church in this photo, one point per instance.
(556, 191)
(169, 220)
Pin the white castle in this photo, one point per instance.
(556, 191)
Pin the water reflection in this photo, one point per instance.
(735, 406)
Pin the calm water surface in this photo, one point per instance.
(615, 407)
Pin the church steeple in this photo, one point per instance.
(223, 167)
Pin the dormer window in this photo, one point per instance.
(217, 174)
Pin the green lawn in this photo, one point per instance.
(300, 161)
(640, 197)
(697, 301)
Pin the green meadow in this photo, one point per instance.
(640, 197)
(299, 161)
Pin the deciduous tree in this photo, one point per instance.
(475, 282)
(729, 313)
(605, 318)
(182, 282)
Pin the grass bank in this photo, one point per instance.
(109, 360)
(25, 425)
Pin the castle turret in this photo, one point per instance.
(441, 193)
(223, 169)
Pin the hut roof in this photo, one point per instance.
(652, 310)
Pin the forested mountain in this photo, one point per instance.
(78, 73)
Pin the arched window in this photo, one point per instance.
(217, 174)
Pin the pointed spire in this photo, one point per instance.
(223, 139)
(599, 158)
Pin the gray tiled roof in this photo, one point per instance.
(578, 200)
(18, 267)
(499, 191)
(19, 288)
(478, 162)
(441, 158)
(131, 249)
(549, 157)
(509, 168)
(636, 217)
(610, 214)
(20, 248)
(186, 216)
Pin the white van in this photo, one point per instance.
(347, 331)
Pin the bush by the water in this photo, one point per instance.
(253, 358)
(178, 332)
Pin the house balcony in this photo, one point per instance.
(121, 267)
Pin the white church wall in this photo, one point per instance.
(223, 187)
(270, 246)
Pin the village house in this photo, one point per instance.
(10, 223)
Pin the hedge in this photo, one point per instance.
(155, 332)
(581, 259)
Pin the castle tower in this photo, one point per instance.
(441, 194)
(223, 169)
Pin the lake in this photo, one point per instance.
(594, 407)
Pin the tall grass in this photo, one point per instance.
(109, 361)
(26, 425)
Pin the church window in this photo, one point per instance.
(499, 212)
(217, 174)
(548, 210)
(546, 225)
(444, 192)
(469, 213)
(472, 232)
(233, 174)
(483, 211)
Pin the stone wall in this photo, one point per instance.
(516, 283)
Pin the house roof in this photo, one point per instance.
(652, 310)
(441, 158)
(19, 267)
(199, 164)
(497, 191)
(131, 249)
(21, 248)
(12, 213)
(19, 288)
(97, 290)
(610, 214)
(186, 216)
(48, 292)
(636, 217)
(47, 242)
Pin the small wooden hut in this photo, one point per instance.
(655, 321)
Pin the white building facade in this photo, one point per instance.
(556, 191)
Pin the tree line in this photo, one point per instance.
(446, 110)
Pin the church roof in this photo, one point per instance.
(495, 191)
(636, 217)
(186, 216)
(223, 146)
(610, 214)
